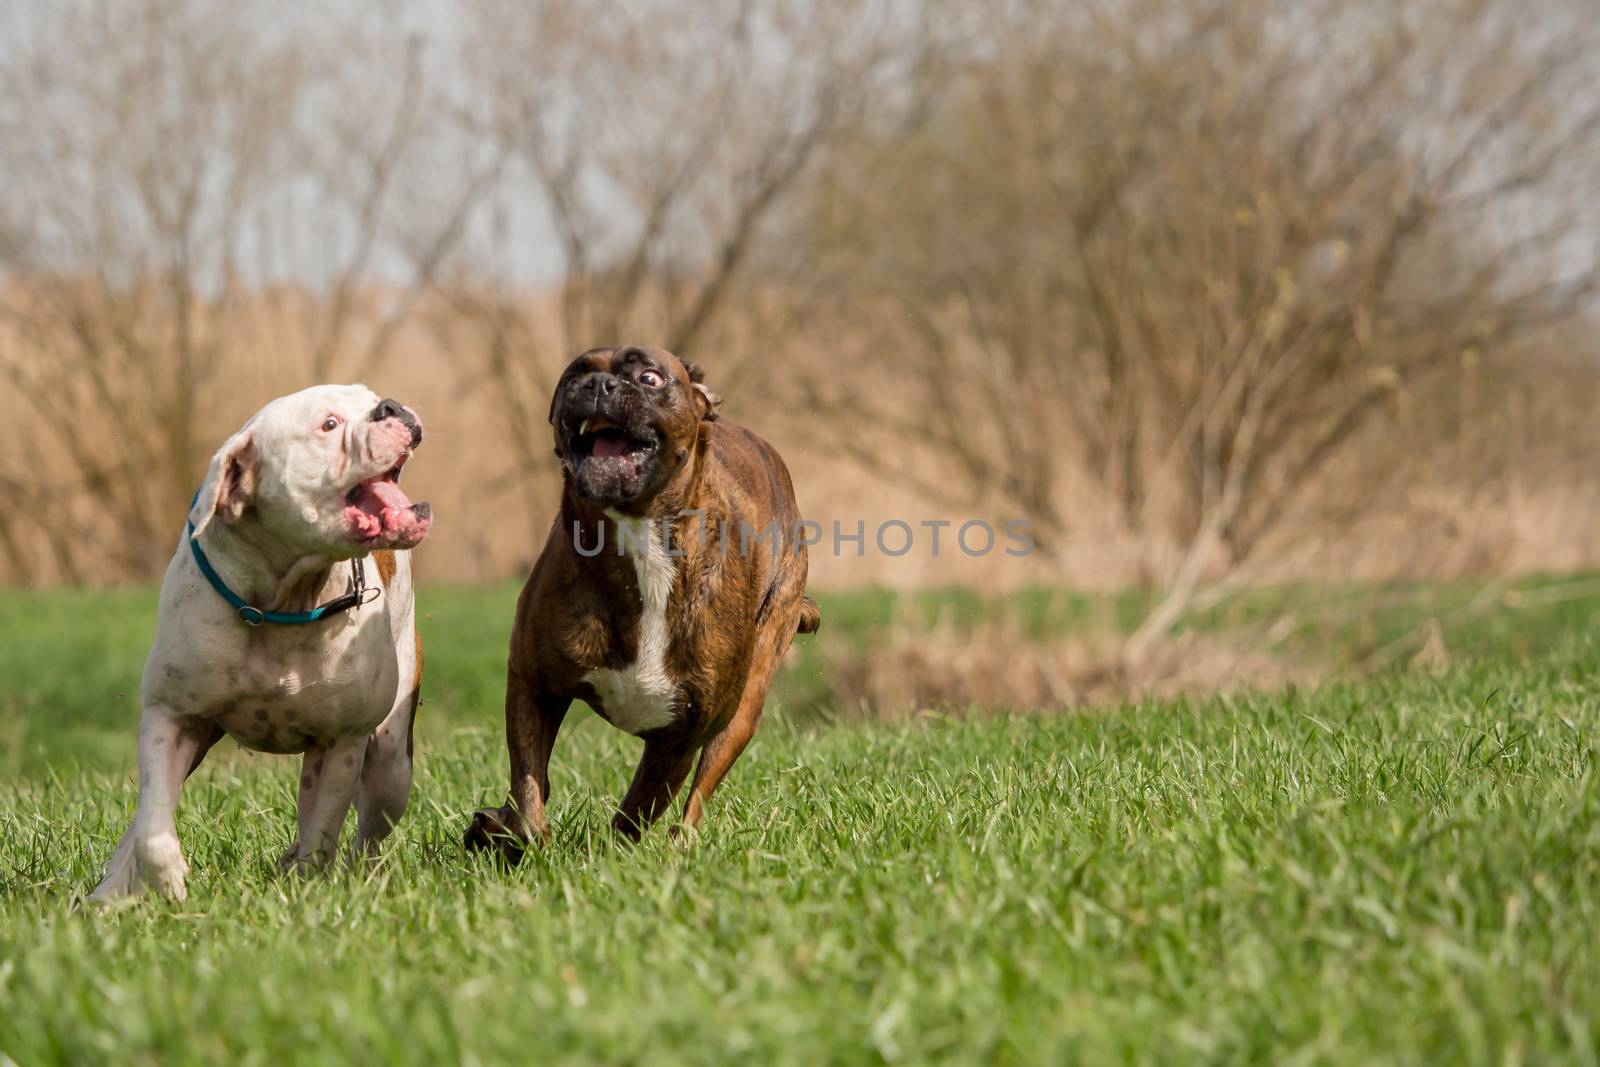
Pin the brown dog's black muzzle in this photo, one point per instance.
(598, 386)
(603, 395)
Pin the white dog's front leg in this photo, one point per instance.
(327, 786)
(149, 854)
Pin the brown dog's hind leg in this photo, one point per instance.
(532, 722)
(721, 751)
(662, 769)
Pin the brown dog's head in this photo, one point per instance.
(626, 419)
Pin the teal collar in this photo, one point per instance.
(256, 616)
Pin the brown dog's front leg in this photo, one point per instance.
(662, 769)
(532, 721)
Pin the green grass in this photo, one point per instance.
(1403, 869)
(70, 659)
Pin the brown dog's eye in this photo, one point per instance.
(330, 424)
(650, 378)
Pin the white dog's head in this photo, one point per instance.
(319, 470)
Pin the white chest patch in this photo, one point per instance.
(641, 696)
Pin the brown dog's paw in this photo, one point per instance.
(627, 827)
(492, 829)
(296, 862)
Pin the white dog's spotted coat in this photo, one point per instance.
(341, 690)
(641, 696)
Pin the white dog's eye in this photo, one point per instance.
(650, 378)
(330, 424)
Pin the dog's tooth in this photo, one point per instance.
(583, 427)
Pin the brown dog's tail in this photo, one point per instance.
(810, 616)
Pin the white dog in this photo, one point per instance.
(286, 620)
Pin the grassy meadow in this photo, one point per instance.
(1400, 869)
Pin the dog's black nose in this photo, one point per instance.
(393, 409)
(600, 384)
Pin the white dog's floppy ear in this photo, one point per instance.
(230, 482)
(705, 400)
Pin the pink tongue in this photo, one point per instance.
(609, 445)
(389, 493)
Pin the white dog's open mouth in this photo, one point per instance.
(380, 515)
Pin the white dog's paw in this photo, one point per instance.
(160, 866)
(113, 891)
(106, 901)
(118, 881)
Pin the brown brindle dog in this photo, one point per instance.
(669, 588)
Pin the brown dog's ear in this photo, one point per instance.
(706, 401)
(229, 485)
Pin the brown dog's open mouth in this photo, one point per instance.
(379, 513)
(598, 438)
